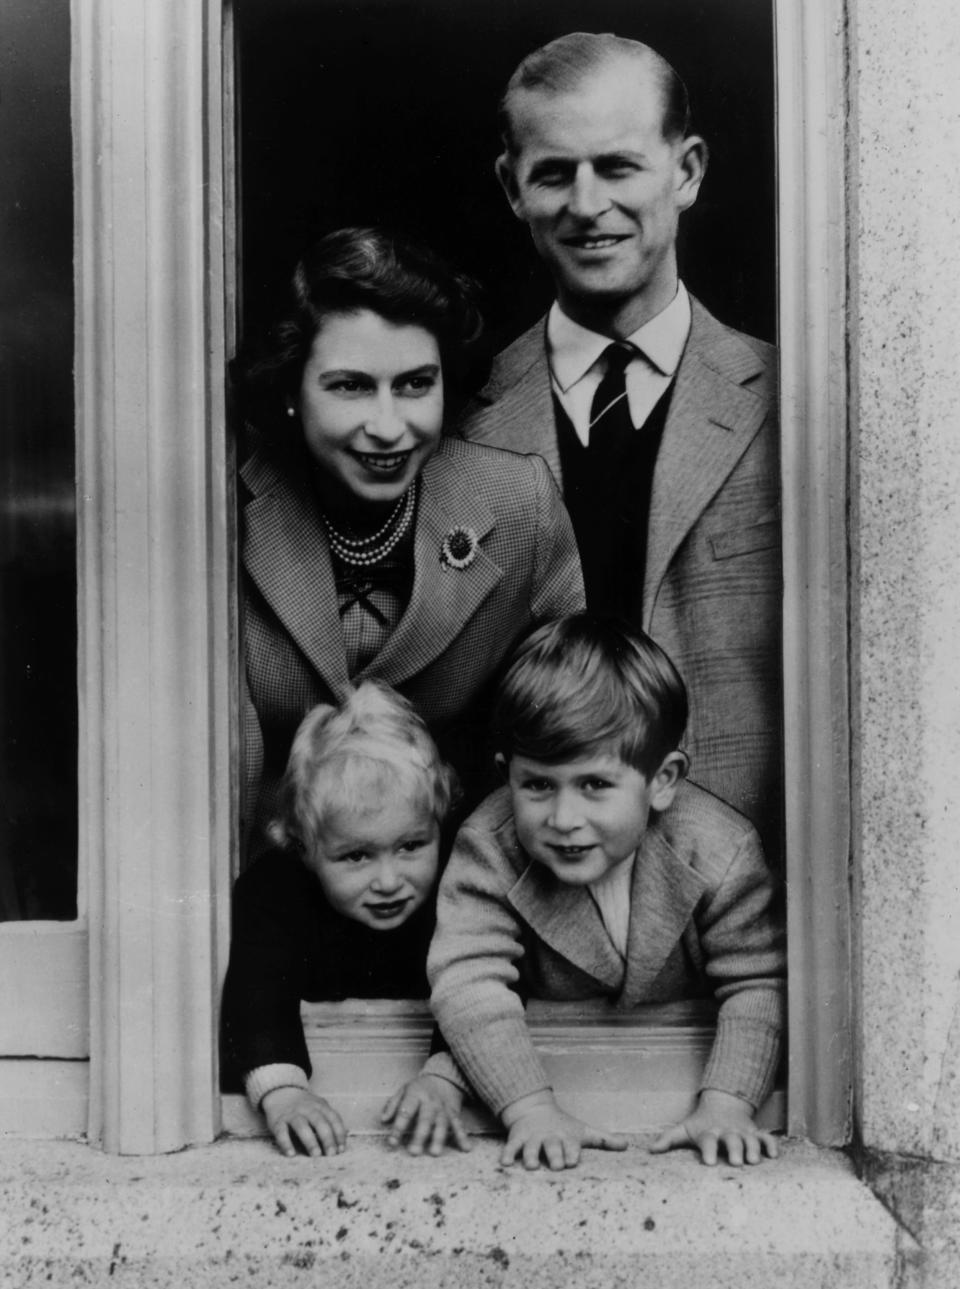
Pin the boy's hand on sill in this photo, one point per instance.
(720, 1119)
(428, 1108)
(537, 1126)
(297, 1113)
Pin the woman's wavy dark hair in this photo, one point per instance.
(389, 273)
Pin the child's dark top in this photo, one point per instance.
(289, 945)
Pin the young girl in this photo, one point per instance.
(341, 907)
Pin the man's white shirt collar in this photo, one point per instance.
(574, 353)
(575, 349)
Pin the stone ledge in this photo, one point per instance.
(239, 1213)
(924, 1195)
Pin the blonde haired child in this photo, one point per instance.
(342, 906)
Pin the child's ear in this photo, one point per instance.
(664, 784)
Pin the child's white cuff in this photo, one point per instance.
(267, 1078)
(442, 1066)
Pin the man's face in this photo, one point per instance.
(601, 190)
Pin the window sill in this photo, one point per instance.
(238, 1211)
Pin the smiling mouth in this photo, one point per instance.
(594, 242)
(388, 909)
(570, 852)
(383, 462)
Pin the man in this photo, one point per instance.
(664, 442)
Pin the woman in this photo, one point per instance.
(371, 545)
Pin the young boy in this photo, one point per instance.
(343, 907)
(597, 871)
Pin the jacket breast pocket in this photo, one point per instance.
(745, 541)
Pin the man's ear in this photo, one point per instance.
(508, 182)
(663, 786)
(692, 155)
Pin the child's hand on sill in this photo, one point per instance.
(428, 1108)
(537, 1126)
(720, 1119)
(297, 1113)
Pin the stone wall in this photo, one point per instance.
(904, 201)
(905, 355)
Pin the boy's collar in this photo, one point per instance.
(566, 918)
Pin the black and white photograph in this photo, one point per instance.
(478, 529)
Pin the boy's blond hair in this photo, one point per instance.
(349, 756)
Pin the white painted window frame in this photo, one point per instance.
(157, 573)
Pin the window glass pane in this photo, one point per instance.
(38, 639)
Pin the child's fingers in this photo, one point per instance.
(599, 1140)
(328, 1129)
(315, 1137)
(337, 1126)
(402, 1117)
(671, 1139)
(571, 1152)
(760, 1143)
(390, 1109)
(281, 1135)
(769, 1143)
(530, 1153)
(733, 1145)
(511, 1149)
(459, 1132)
(708, 1144)
(554, 1152)
(439, 1131)
(427, 1117)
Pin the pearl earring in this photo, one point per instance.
(291, 411)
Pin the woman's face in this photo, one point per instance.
(371, 404)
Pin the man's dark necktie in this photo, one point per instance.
(611, 429)
(608, 494)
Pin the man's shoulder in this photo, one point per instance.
(514, 409)
(736, 354)
(515, 359)
(523, 358)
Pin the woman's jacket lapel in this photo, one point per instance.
(286, 553)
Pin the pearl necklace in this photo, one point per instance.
(361, 552)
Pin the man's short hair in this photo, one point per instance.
(564, 63)
(587, 684)
(345, 757)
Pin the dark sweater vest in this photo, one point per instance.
(609, 507)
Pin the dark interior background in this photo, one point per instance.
(38, 550)
(384, 111)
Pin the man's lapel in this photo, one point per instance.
(514, 410)
(664, 893)
(566, 918)
(286, 554)
(443, 599)
(711, 421)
